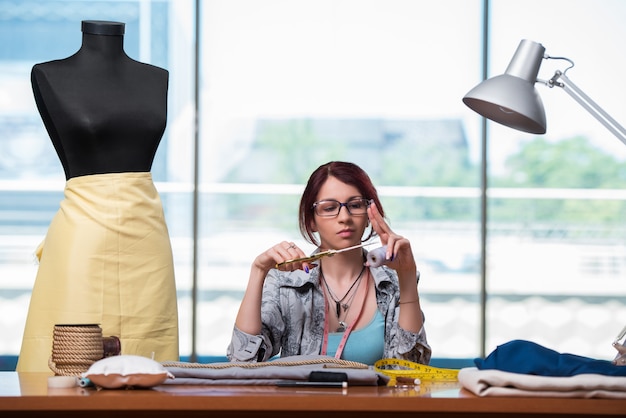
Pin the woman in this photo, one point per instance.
(338, 306)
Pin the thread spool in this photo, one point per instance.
(376, 257)
(75, 347)
(111, 346)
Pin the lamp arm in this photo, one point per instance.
(585, 101)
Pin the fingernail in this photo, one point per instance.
(306, 269)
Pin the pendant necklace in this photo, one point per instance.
(342, 324)
(339, 302)
(346, 333)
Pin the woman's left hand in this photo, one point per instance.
(399, 254)
(401, 259)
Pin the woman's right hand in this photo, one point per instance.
(279, 253)
(249, 316)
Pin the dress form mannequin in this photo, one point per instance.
(104, 112)
(107, 256)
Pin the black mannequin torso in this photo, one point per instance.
(104, 112)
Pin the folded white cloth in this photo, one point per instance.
(490, 382)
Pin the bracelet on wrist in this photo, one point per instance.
(408, 301)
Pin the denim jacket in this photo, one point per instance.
(292, 314)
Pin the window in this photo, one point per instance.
(289, 86)
(286, 86)
(557, 229)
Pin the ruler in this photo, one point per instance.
(393, 368)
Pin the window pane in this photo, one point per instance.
(31, 176)
(557, 230)
(287, 86)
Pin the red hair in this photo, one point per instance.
(345, 172)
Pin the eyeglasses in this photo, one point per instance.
(329, 208)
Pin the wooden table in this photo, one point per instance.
(27, 394)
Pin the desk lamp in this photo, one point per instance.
(512, 100)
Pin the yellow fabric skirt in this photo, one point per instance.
(107, 260)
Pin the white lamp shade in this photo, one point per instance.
(511, 98)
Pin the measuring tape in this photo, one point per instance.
(415, 370)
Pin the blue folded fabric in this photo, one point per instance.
(520, 356)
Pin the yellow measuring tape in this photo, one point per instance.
(412, 370)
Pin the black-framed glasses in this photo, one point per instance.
(331, 207)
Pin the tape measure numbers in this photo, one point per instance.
(410, 369)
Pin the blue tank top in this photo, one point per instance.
(365, 345)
